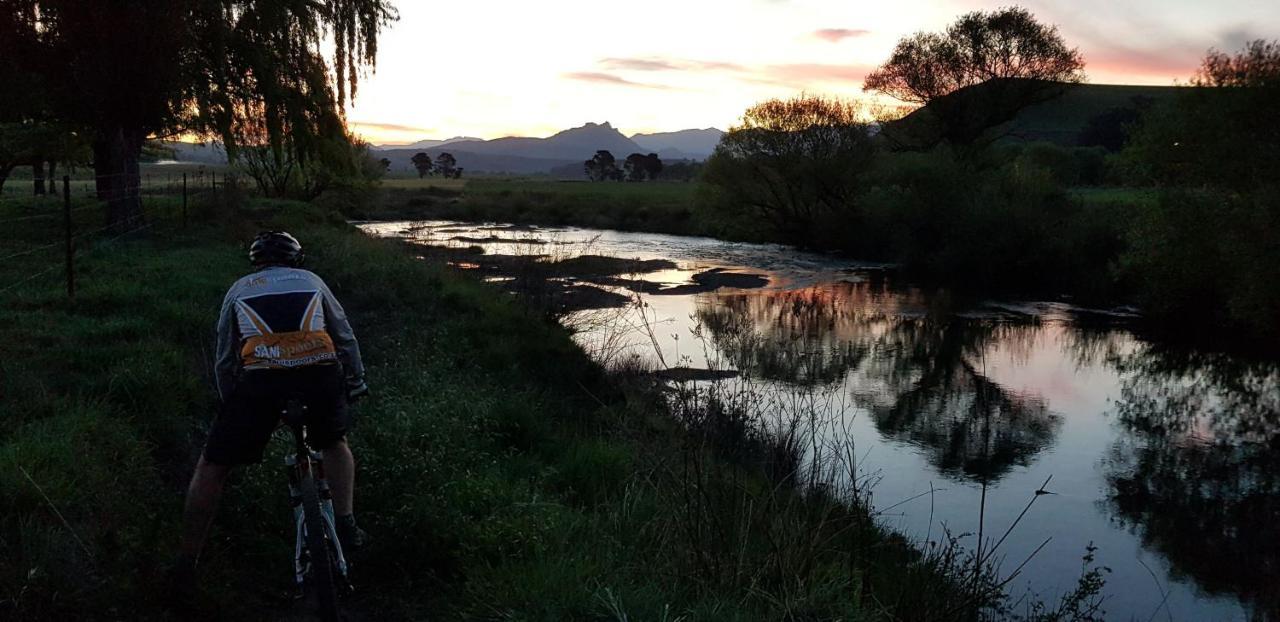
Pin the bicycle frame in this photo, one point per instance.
(298, 465)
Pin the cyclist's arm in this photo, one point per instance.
(344, 339)
(226, 359)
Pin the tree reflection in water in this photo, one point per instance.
(1197, 471)
(917, 369)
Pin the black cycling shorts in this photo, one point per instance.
(249, 416)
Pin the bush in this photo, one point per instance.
(1010, 227)
(1210, 256)
(792, 164)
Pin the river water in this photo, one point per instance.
(1165, 459)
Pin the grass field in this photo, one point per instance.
(154, 177)
(660, 207)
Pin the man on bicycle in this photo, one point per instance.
(281, 333)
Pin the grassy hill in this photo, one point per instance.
(1058, 119)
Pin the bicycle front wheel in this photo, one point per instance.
(318, 550)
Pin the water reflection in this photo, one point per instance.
(917, 368)
(972, 426)
(1196, 472)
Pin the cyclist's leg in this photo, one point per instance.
(340, 469)
(202, 503)
(327, 426)
(238, 436)
(327, 423)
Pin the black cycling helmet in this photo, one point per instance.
(275, 248)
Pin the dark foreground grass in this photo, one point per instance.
(501, 474)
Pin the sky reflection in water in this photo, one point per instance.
(1168, 460)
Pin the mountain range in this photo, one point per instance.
(541, 155)
(520, 155)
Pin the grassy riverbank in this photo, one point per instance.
(501, 474)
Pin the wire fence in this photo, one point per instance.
(44, 234)
(19, 186)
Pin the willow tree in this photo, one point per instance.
(273, 75)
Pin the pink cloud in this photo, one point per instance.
(836, 35)
(666, 64)
(639, 64)
(607, 78)
(391, 127)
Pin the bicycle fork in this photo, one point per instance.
(301, 561)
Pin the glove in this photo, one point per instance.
(356, 388)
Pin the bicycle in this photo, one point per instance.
(317, 551)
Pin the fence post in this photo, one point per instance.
(184, 200)
(71, 253)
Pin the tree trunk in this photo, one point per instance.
(116, 152)
(100, 155)
(37, 175)
(53, 180)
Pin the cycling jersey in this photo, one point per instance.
(282, 318)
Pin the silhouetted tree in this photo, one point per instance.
(1019, 59)
(422, 162)
(445, 163)
(386, 164)
(635, 167)
(639, 167)
(794, 162)
(652, 166)
(243, 72)
(457, 173)
(980, 46)
(39, 145)
(602, 166)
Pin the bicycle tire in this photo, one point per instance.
(318, 548)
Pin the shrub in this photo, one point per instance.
(1211, 256)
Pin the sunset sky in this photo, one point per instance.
(492, 68)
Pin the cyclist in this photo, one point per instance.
(281, 332)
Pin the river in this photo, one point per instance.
(1165, 459)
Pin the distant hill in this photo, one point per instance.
(427, 144)
(685, 144)
(204, 153)
(1058, 119)
(578, 143)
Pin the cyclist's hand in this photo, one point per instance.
(356, 388)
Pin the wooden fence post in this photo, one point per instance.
(71, 253)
